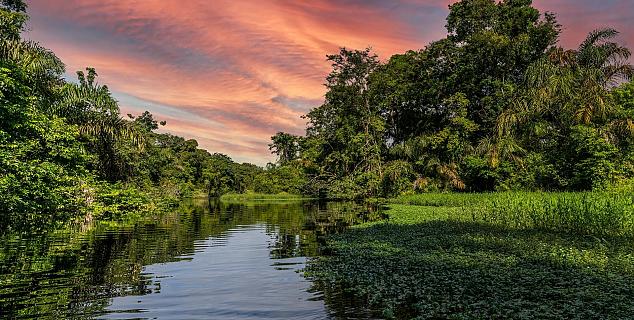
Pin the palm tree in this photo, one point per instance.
(87, 104)
(92, 107)
(41, 66)
(564, 90)
(31, 57)
(570, 87)
(500, 148)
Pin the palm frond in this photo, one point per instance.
(506, 121)
(562, 57)
(618, 73)
(500, 149)
(80, 103)
(31, 57)
(596, 37)
(113, 129)
(449, 173)
(584, 114)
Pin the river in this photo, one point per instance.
(206, 260)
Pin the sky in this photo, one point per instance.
(232, 73)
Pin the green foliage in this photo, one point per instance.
(592, 159)
(12, 19)
(495, 105)
(66, 154)
(345, 134)
(589, 213)
(624, 96)
(397, 177)
(355, 186)
(221, 176)
(598, 214)
(490, 46)
(117, 202)
(285, 146)
(242, 198)
(13, 5)
(436, 155)
(441, 199)
(41, 160)
(282, 179)
(479, 175)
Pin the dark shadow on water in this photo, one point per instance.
(463, 270)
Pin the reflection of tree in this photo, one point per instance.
(69, 273)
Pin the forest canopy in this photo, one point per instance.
(495, 105)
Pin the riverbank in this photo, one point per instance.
(519, 255)
(242, 197)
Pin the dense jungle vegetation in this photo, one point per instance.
(66, 153)
(496, 105)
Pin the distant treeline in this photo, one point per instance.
(496, 105)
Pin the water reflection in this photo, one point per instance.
(207, 260)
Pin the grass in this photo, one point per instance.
(493, 256)
(443, 199)
(589, 213)
(242, 197)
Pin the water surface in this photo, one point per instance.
(207, 260)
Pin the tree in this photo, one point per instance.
(285, 146)
(565, 90)
(42, 164)
(491, 45)
(407, 91)
(12, 19)
(484, 59)
(146, 121)
(437, 155)
(92, 107)
(345, 134)
(220, 176)
(13, 5)
(66, 153)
